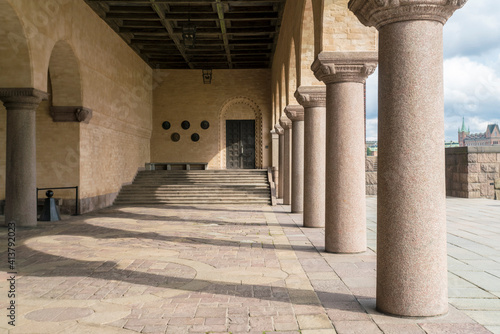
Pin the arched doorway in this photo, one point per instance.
(246, 114)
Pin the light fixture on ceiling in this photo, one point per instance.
(189, 33)
(207, 76)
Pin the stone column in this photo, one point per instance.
(312, 98)
(344, 74)
(279, 188)
(296, 115)
(275, 140)
(20, 183)
(411, 232)
(286, 124)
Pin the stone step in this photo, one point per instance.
(213, 175)
(185, 181)
(191, 201)
(213, 186)
(208, 171)
(193, 192)
(161, 198)
(197, 187)
(202, 177)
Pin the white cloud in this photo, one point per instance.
(372, 95)
(471, 90)
(371, 128)
(471, 70)
(474, 29)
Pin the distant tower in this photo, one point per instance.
(462, 133)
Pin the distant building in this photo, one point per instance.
(451, 143)
(372, 148)
(489, 138)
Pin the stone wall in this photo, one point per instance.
(371, 175)
(181, 95)
(471, 171)
(97, 70)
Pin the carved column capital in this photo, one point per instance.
(70, 114)
(332, 67)
(295, 113)
(279, 130)
(285, 122)
(22, 98)
(311, 96)
(377, 13)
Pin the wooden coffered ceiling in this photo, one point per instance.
(229, 33)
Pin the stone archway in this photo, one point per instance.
(15, 60)
(58, 125)
(65, 77)
(240, 108)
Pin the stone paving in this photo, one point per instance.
(231, 269)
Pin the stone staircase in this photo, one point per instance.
(243, 186)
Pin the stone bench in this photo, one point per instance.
(176, 166)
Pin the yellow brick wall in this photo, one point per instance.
(311, 27)
(115, 83)
(342, 31)
(181, 95)
(57, 151)
(3, 120)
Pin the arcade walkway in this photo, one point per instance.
(232, 269)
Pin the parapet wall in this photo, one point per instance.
(371, 175)
(471, 171)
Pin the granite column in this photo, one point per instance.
(296, 114)
(312, 98)
(20, 184)
(286, 124)
(279, 187)
(344, 74)
(275, 138)
(411, 207)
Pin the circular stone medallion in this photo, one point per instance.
(175, 137)
(165, 125)
(205, 125)
(185, 125)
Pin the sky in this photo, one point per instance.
(471, 71)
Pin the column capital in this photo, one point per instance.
(22, 98)
(295, 113)
(285, 122)
(311, 96)
(333, 67)
(279, 130)
(378, 13)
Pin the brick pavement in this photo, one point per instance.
(232, 269)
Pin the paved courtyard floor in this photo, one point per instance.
(230, 269)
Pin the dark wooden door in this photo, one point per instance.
(240, 144)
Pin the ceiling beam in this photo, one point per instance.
(222, 24)
(212, 16)
(280, 7)
(130, 9)
(170, 2)
(160, 10)
(132, 16)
